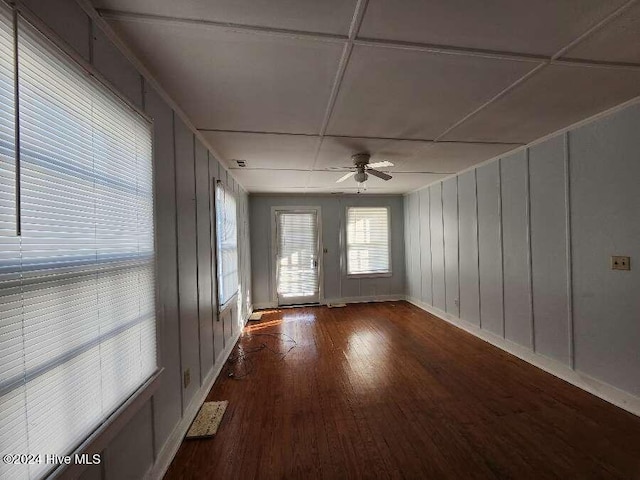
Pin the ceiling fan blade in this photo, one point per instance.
(344, 177)
(380, 164)
(379, 174)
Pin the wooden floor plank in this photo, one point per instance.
(388, 391)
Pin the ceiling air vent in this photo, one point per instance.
(241, 163)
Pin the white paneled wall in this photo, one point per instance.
(605, 220)
(187, 256)
(468, 244)
(426, 293)
(515, 248)
(549, 248)
(489, 247)
(413, 238)
(530, 259)
(437, 247)
(337, 285)
(450, 224)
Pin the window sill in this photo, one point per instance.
(369, 275)
(225, 306)
(112, 425)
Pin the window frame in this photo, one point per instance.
(230, 301)
(389, 272)
(273, 282)
(117, 420)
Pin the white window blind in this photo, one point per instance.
(7, 128)
(297, 271)
(227, 244)
(12, 412)
(368, 241)
(78, 301)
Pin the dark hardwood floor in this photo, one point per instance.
(388, 391)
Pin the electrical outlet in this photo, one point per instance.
(620, 263)
(457, 302)
(187, 377)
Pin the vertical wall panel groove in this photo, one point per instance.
(444, 247)
(430, 244)
(477, 221)
(451, 243)
(469, 293)
(489, 252)
(175, 189)
(205, 277)
(567, 208)
(437, 247)
(529, 258)
(501, 237)
(515, 267)
(417, 249)
(548, 247)
(458, 235)
(425, 247)
(197, 263)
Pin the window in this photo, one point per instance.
(368, 250)
(77, 277)
(7, 131)
(227, 245)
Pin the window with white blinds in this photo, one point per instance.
(368, 246)
(227, 244)
(7, 131)
(77, 286)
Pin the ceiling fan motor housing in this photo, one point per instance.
(360, 159)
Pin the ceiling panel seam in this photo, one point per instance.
(228, 26)
(559, 58)
(354, 28)
(500, 94)
(541, 66)
(364, 137)
(330, 169)
(544, 138)
(380, 43)
(594, 28)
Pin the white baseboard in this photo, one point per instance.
(326, 301)
(264, 305)
(600, 389)
(171, 446)
(365, 299)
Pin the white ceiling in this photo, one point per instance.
(295, 87)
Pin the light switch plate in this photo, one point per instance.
(620, 263)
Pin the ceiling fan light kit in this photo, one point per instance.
(362, 168)
(361, 177)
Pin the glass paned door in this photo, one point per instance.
(297, 266)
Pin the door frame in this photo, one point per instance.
(273, 258)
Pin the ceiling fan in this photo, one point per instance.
(362, 168)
